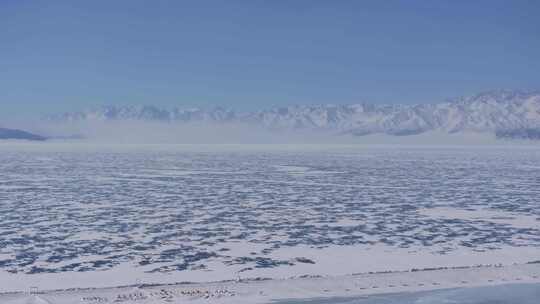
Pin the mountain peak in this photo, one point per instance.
(19, 134)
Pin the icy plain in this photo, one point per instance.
(113, 216)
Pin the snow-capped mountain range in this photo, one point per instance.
(492, 111)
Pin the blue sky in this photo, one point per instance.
(68, 55)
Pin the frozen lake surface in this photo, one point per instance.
(501, 294)
(166, 215)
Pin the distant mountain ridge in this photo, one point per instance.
(492, 111)
(19, 134)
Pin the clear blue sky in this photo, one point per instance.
(251, 54)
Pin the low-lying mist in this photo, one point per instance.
(137, 132)
(134, 132)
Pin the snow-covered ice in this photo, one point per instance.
(109, 217)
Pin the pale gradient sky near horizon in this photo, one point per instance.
(65, 55)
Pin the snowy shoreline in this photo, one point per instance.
(268, 290)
